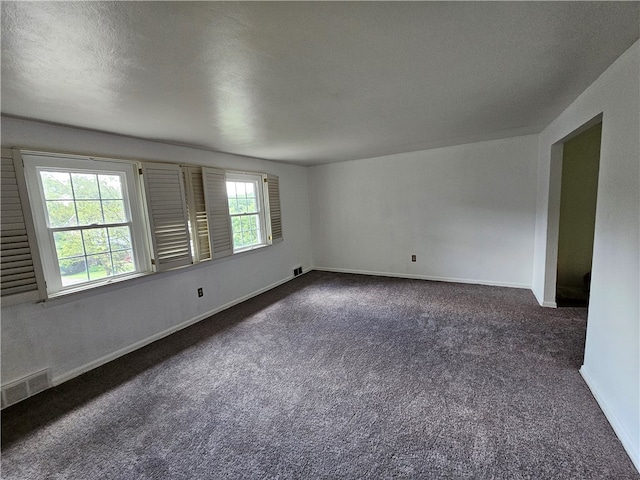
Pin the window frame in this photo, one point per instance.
(34, 163)
(43, 254)
(258, 180)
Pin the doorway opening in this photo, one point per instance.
(576, 228)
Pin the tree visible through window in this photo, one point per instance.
(87, 215)
(91, 228)
(243, 192)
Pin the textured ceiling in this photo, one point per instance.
(307, 82)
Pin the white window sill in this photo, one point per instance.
(248, 249)
(93, 285)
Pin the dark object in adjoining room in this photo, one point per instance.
(574, 296)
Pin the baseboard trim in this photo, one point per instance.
(630, 446)
(57, 380)
(424, 277)
(542, 302)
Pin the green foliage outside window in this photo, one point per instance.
(91, 200)
(245, 219)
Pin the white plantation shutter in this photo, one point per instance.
(197, 212)
(217, 203)
(274, 212)
(164, 190)
(19, 261)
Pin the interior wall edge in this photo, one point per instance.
(631, 447)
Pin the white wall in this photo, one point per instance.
(612, 355)
(74, 333)
(467, 212)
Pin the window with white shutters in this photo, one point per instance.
(245, 198)
(215, 193)
(87, 220)
(241, 210)
(71, 222)
(168, 223)
(272, 200)
(197, 209)
(19, 268)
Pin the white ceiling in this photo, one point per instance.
(307, 82)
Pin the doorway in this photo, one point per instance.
(578, 198)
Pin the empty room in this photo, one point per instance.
(320, 240)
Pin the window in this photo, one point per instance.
(88, 221)
(244, 193)
(96, 221)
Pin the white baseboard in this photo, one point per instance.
(123, 351)
(630, 445)
(542, 302)
(425, 277)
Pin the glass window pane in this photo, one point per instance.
(247, 222)
(68, 244)
(110, 186)
(89, 212)
(95, 240)
(233, 206)
(114, 211)
(73, 271)
(99, 266)
(85, 186)
(78, 202)
(123, 262)
(252, 205)
(61, 213)
(56, 185)
(119, 238)
(250, 189)
(240, 189)
(237, 239)
(231, 189)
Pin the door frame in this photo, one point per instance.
(553, 211)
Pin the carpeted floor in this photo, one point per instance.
(334, 376)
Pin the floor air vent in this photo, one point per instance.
(25, 388)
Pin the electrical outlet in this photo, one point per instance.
(200, 292)
(297, 271)
(413, 258)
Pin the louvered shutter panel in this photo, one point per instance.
(274, 218)
(215, 194)
(18, 270)
(167, 208)
(198, 212)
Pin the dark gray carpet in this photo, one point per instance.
(334, 376)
